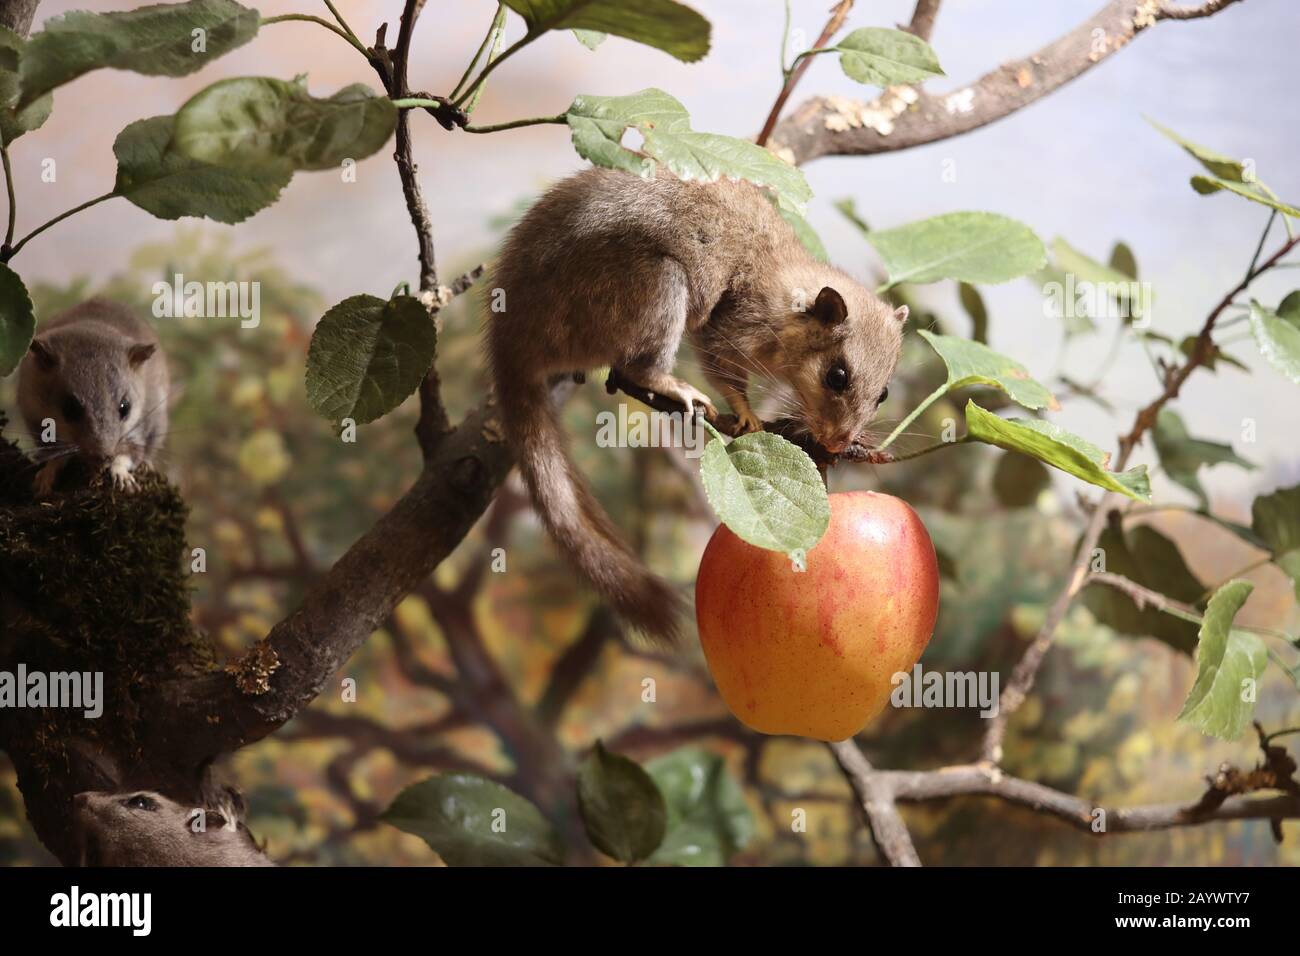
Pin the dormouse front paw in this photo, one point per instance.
(120, 471)
(748, 421)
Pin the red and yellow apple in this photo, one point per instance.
(813, 652)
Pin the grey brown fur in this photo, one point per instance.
(610, 269)
(81, 367)
(147, 829)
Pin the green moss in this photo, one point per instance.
(95, 577)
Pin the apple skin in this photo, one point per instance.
(812, 653)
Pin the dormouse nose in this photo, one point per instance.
(836, 445)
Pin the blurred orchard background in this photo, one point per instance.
(512, 673)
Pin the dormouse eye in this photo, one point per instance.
(140, 802)
(73, 410)
(837, 378)
(124, 408)
(884, 396)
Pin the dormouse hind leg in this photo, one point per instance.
(43, 484)
(649, 360)
(665, 383)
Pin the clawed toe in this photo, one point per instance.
(123, 480)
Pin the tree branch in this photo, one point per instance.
(923, 17)
(903, 117)
(878, 802)
(982, 779)
(1202, 351)
(17, 15)
(1026, 669)
(1143, 596)
(573, 666)
(212, 715)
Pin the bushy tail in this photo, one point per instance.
(575, 518)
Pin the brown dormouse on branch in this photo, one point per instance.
(96, 380)
(613, 269)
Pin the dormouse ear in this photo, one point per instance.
(829, 307)
(901, 314)
(140, 352)
(43, 354)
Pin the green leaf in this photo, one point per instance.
(1228, 667)
(169, 185)
(849, 209)
(1147, 557)
(1099, 283)
(1075, 314)
(885, 57)
(590, 38)
(1058, 448)
(1275, 519)
(1122, 260)
(708, 818)
(621, 807)
(973, 363)
(805, 232)
(1182, 456)
(598, 124)
(17, 320)
(471, 821)
(15, 121)
(1278, 340)
(973, 303)
(766, 490)
(1226, 173)
(1018, 479)
(1206, 185)
(663, 24)
(156, 40)
(1218, 164)
(1289, 308)
(367, 356)
(1188, 346)
(979, 247)
(259, 122)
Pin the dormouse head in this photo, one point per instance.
(848, 341)
(93, 390)
(147, 828)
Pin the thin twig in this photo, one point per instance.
(13, 203)
(838, 14)
(53, 222)
(319, 21)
